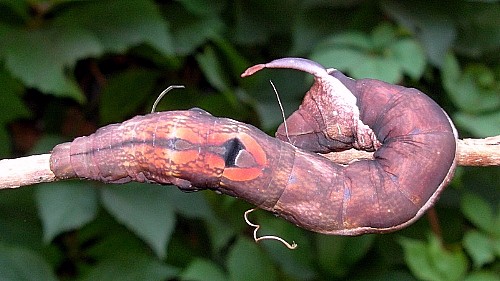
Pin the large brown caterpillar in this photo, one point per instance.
(415, 156)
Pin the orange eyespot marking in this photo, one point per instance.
(254, 148)
(190, 162)
(188, 135)
(244, 160)
(214, 161)
(249, 162)
(183, 157)
(241, 174)
(215, 138)
(251, 145)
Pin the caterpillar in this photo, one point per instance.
(413, 139)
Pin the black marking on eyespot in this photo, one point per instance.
(233, 147)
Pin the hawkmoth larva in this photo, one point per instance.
(415, 145)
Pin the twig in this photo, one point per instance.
(479, 152)
(25, 171)
(471, 152)
(36, 168)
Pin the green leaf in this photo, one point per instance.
(341, 58)
(19, 222)
(212, 69)
(496, 246)
(384, 56)
(297, 263)
(383, 36)
(46, 143)
(121, 24)
(247, 262)
(40, 57)
(481, 126)
(216, 74)
(352, 40)
(343, 252)
(430, 23)
(203, 270)
(124, 93)
(470, 97)
(482, 75)
(310, 27)
(192, 31)
(410, 57)
(385, 69)
(13, 106)
(18, 9)
(236, 61)
(131, 267)
(482, 276)
(451, 264)
(220, 233)
(417, 259)
(478, 211)
(466, 95)
(480, 248)
(190, 205)
(203, 7)
(255, 21)
(65, 206)
(474, 90)
(144, 209)
(430, 261)
(20, 264)
(398, 275)
(496, 228)
(104, 238)
(479, 28)
(450, 71)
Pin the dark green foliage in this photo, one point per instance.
(68, 67)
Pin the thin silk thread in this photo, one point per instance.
(282, 111)
(164, 93)
(292, 246)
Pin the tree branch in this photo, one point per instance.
(479, 152)
(25, 171)
(36, 168)
(471, 152)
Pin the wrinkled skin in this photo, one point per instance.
(414, 139)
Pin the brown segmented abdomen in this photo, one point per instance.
(414, 161)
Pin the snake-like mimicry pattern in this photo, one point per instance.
(413, 139)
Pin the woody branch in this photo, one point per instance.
(35, 169)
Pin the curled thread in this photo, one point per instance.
(282, 111)
(164, 93)
(292, 246)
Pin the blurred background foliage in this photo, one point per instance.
(69, 67)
